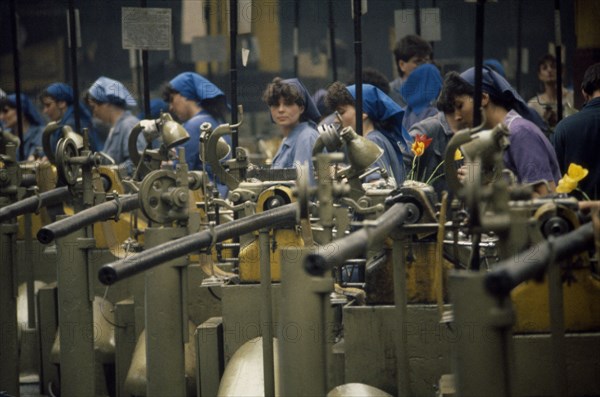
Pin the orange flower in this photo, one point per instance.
(420, 144)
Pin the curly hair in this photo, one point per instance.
(338, 95)
(278, 89)
(453, 87)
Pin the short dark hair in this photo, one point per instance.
(4, 103)
(547, 58)
(410, 46)
(591, 79)
(453, 87)
(374, 77)
(338, 95)
(278, 89)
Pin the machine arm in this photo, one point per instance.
(33, 203)
(89, 216)
(510, 273)
(113, 272)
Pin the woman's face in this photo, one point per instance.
(547, 72)
(348, 115)
(286, 116)
(55, 110)
(463, 110)
(8, 116)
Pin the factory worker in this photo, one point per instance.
(33, 125)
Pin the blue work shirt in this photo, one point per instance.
(192, 146)
(117, 142)
(389, 160)
(68, 118)
(296, 149)
(31, 140)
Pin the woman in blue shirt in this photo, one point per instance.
(296, 115)
(382, 124)
(33, 125)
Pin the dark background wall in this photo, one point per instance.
(45, 57)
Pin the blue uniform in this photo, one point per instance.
(117, 143)
(32, 139)
(389, 160)
(296, 149)
(192, 146)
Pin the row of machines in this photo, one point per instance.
(153, 285)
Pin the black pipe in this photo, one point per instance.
(479, 22)
(89, 216)
(519, 45)
(146, 83)
(332, 40)
(31, 204)
(358, 64)
(296, 35)
(28, 180)
(233, 29)
(16, 69)
(510, 273)
(558, 52)
(74, 75)
(356, 243)
(113, 272)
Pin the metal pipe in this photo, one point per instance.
(16, 69)
(266, 313)
(233, 29)
(332, 40)
(510, 273)
(356, 243)
(89, 216)
(296, 35)
(145, 77)
(31, 204)
(557, 50)
(479, 22)
(358, 65)
(74, 75)
(116, 271)
(400, 302)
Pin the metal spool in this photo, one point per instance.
(67, 170)
(161, 199)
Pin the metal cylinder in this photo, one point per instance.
(356, 243)
(9, 346)
(510, 273)
(30, 204)
(116, 271)
(98, 213)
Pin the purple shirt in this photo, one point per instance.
(530, 155)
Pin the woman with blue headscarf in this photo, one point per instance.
(195, 100)
(420, 91)
(109, 101)
(58, 101)
(33, 125)
(382, 123)
(296, 114)
(530, 156)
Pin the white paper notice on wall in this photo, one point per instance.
(245, 54)
(431, 27)
(146, 28)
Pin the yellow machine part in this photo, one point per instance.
(581, 299)
(250, 255)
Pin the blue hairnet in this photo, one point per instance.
(379, 107)
(495, 65)
(195, 87)
(496, 86)
(61, 92)
(28, 109)
(156, 107)
(422, 87)
(108, 90)
(310, 108)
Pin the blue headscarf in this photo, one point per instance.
(379, 107)
(497, 86)
(310, 108)
(156, 107)
(422, 87)
(61, 92)
(28, 108)
(495, 65)
(111, 91)
(195, 87)
(319, 99)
